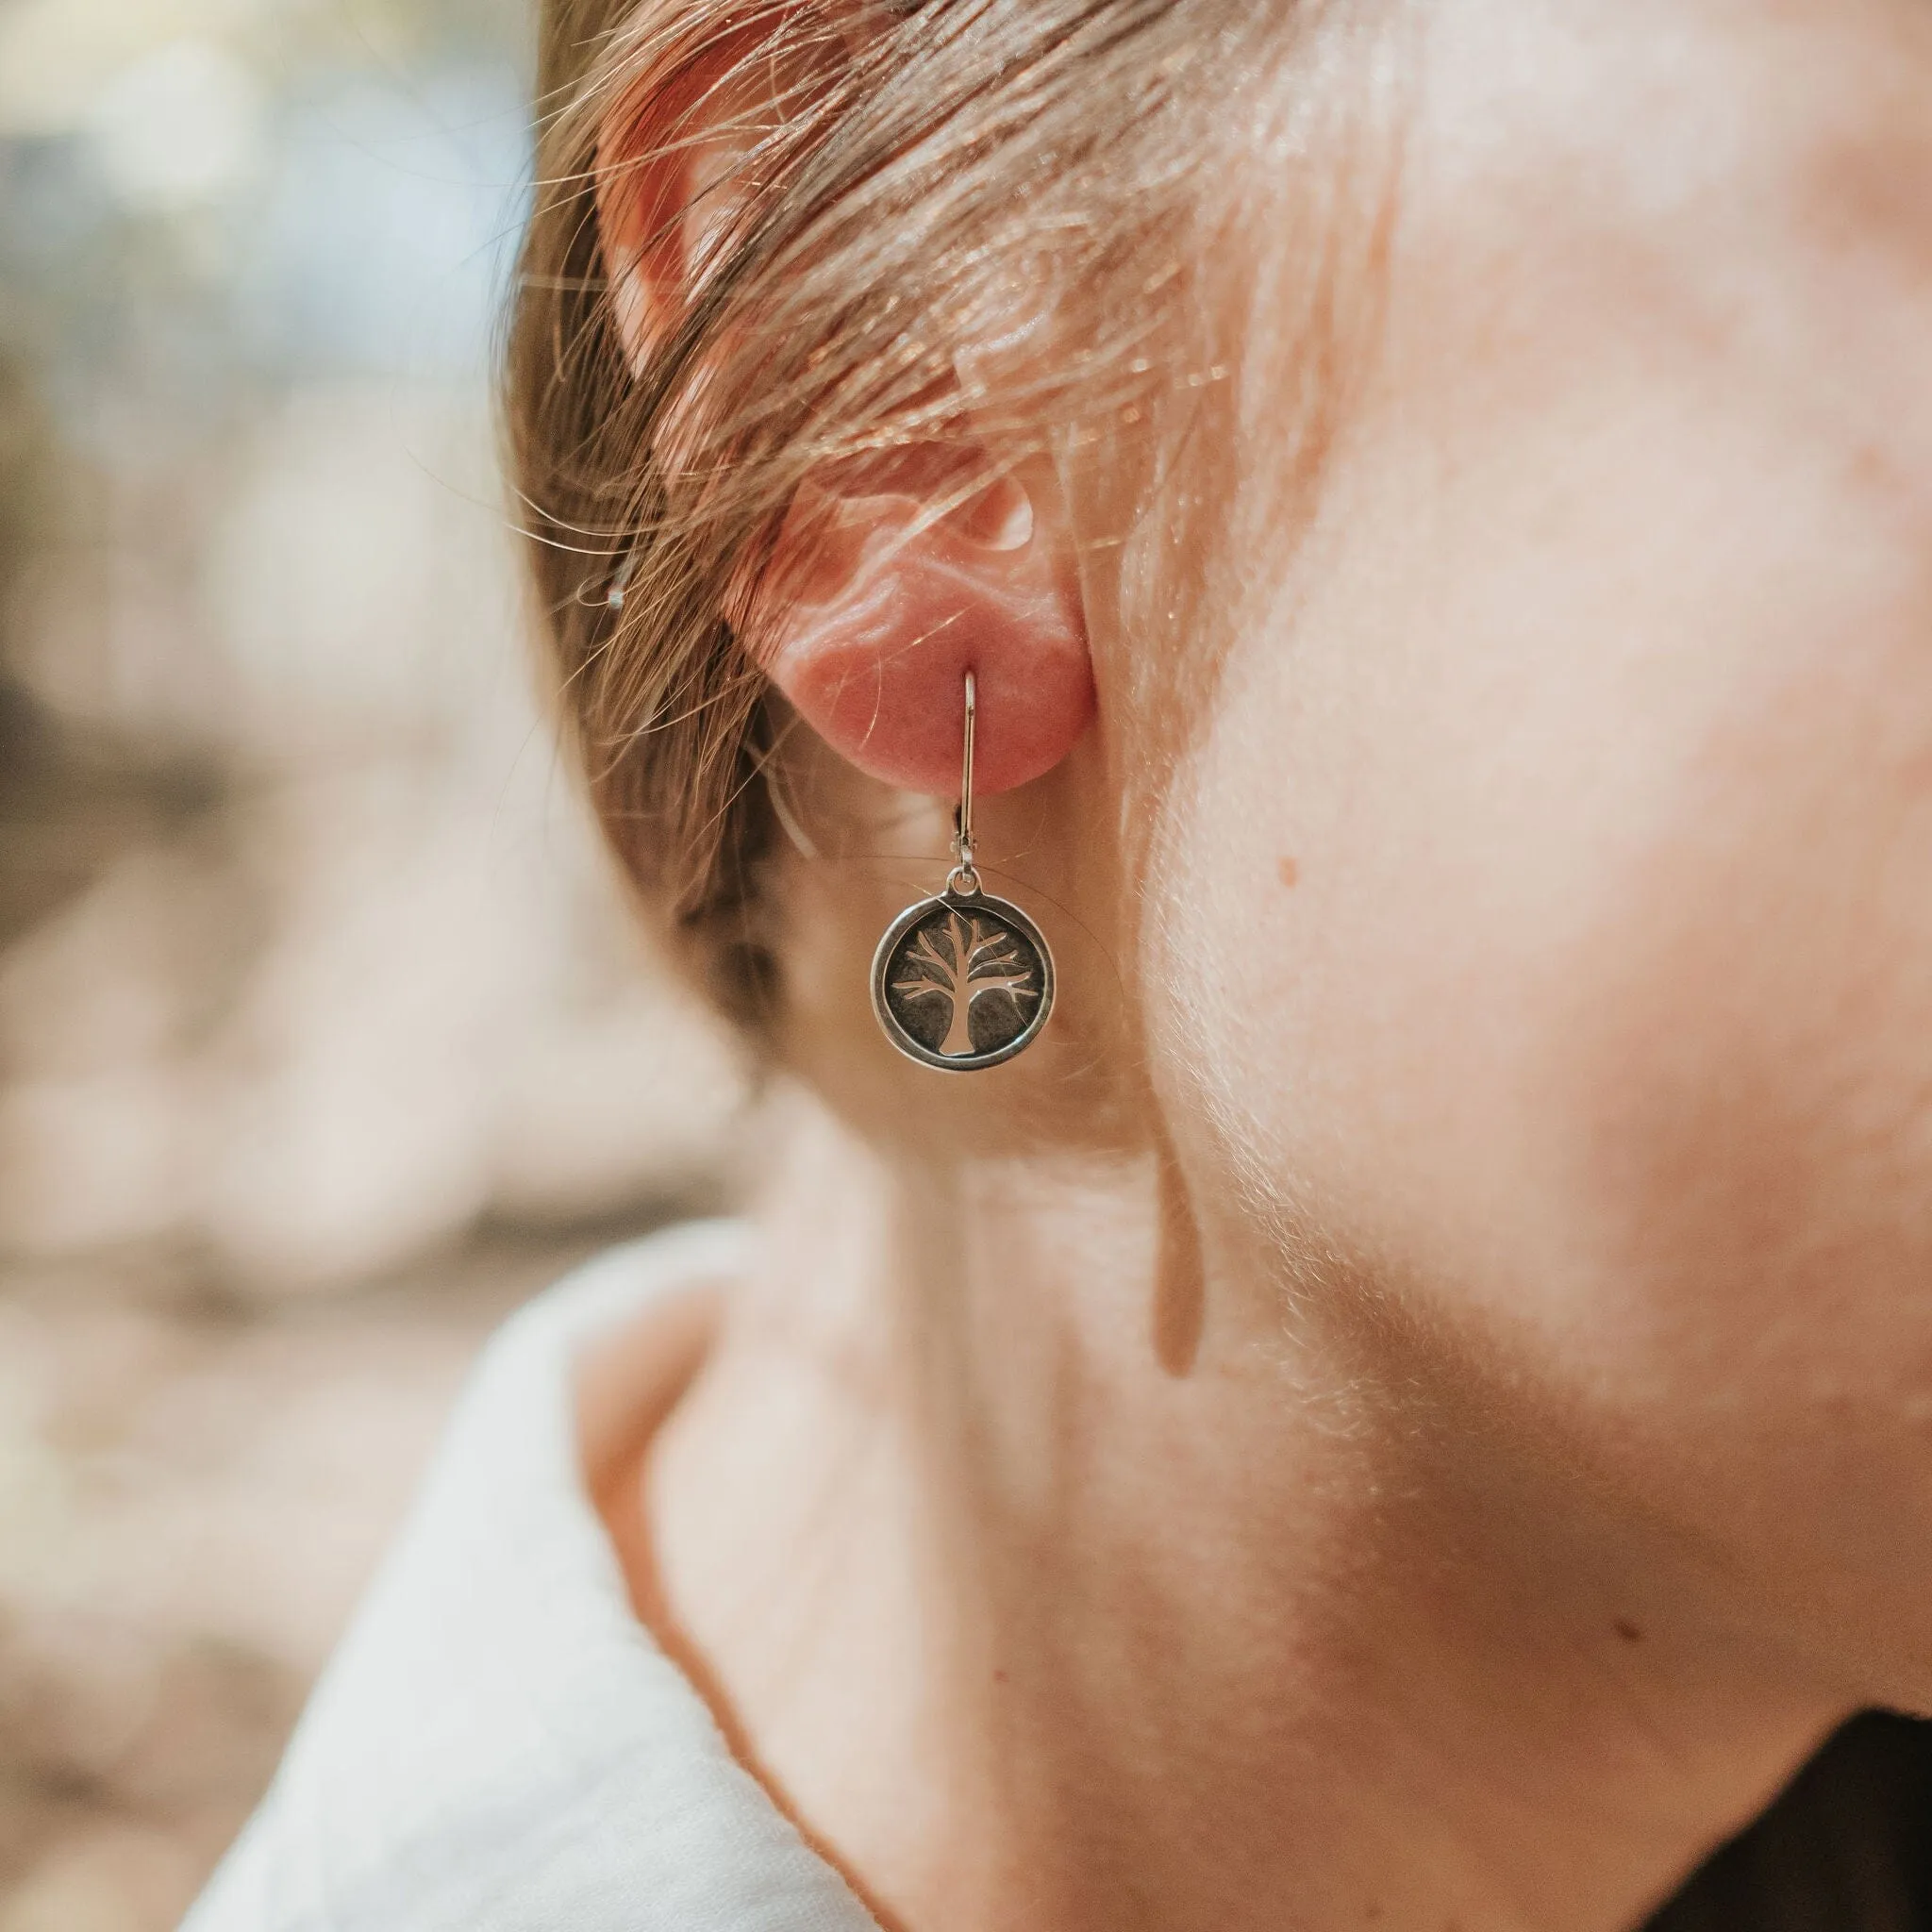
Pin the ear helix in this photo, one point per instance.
(963, 980)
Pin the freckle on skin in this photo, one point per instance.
(1628, 1630)
(1290, 874)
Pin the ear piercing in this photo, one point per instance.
(963, 980)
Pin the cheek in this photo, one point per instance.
(1746, 1087)
(1545, 917)
(1560, 1007)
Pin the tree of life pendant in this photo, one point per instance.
(962, 981)
(965, 980)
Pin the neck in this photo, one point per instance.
(1057, 1575)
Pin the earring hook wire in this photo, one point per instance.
(965, 875)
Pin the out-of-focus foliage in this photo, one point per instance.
(322, 1032)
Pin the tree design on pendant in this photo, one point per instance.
(963, 960)
(963, 982)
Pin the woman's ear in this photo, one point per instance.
(891, 578)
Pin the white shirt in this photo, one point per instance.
(498, 1745)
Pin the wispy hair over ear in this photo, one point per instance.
(912, 172)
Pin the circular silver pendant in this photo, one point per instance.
(962, 981)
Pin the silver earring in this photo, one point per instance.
(964, 980)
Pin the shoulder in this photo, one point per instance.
(498, 1746)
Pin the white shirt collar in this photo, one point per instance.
(498, 1745)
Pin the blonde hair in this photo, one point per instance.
(908, 179)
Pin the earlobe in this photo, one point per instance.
(886, 606)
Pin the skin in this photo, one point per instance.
(1412, 1406)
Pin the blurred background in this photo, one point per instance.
(322, 1036)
